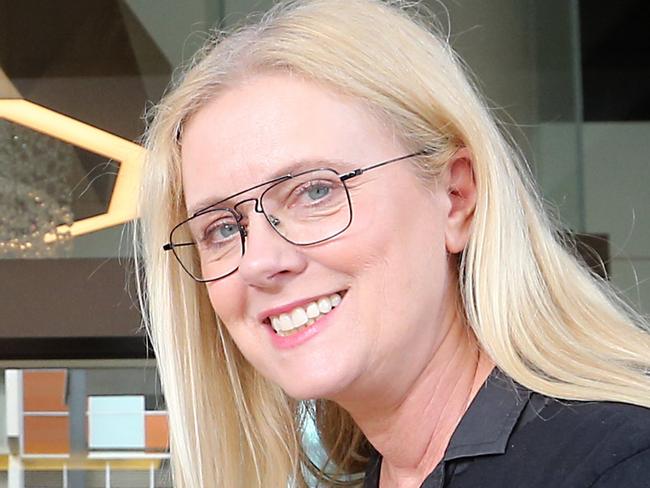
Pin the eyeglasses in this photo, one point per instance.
(306, 208)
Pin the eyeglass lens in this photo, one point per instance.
(304, 209)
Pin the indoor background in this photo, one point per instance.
(80, 403)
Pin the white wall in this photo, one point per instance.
(237, 10)
(615, 192)
(558, 169)
(617, 200)
(495, 40)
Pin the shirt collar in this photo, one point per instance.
(490, 419)
(484, 429)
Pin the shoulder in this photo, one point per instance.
(592, 423)
(586, 443)
(570, 445)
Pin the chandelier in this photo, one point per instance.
(35, 197)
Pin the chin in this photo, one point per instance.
(315, 386)
(311, 391)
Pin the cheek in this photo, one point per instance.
(405, 235)
(229, 304)
(227, 299)
(401, 256)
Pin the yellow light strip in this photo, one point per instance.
(122, 206)
(45, 464)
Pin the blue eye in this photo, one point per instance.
(311, 190)
(220, 232)
(317, 191)
(227, 230)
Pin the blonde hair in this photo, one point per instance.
(540, 315)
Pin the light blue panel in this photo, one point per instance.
(116, 422)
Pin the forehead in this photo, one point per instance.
(251, 132)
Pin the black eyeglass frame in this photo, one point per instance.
(259, 208)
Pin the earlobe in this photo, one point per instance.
(461, 191)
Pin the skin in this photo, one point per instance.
(398, 355)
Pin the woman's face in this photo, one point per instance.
(390, 266)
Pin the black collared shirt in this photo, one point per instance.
(511, 437)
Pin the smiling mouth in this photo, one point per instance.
(301, 317)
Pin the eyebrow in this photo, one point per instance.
(290, 169)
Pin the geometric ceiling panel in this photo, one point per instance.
(92, 60)
(36, 164)
(72, 141)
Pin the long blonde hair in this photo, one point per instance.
(540, 314)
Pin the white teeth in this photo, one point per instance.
(275, 322)
(299, 317)
(312, 310)
(324, 305)
(285, 322)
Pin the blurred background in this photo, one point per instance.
(80, 402)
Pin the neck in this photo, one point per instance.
(412, 430)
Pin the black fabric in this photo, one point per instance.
(511, 437)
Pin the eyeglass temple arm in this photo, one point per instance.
(360, 171)
(169, 246)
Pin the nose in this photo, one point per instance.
(268, 259)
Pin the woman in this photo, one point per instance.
(348, 238)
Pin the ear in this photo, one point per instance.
(461, 191)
